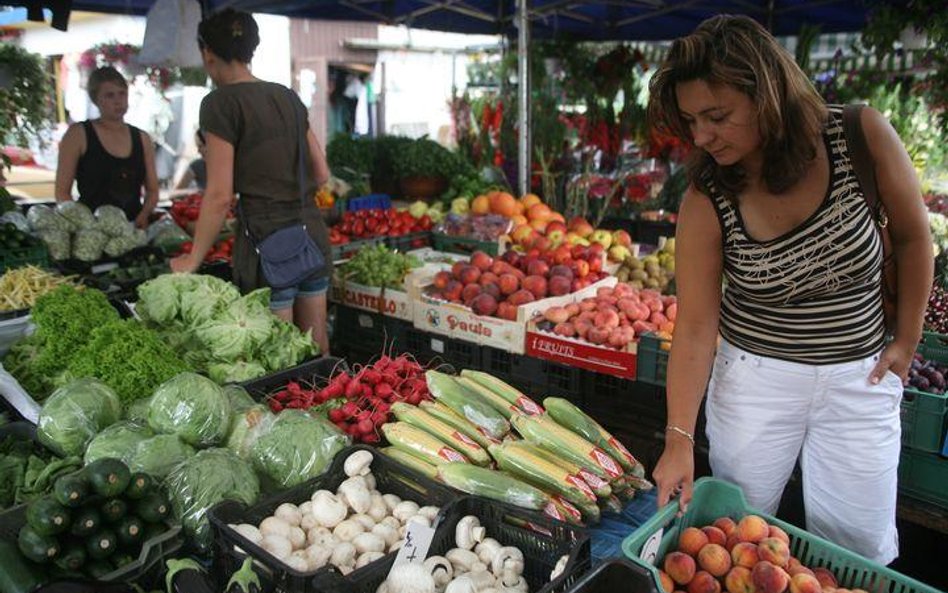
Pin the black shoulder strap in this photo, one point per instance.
(859, 154)
(301, 132)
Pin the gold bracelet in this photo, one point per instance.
(682, 432)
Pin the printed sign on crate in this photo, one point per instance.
(582, 354)
(386, 301)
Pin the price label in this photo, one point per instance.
(437, 346)
(414, 549)
(650, 548)
(366, 321)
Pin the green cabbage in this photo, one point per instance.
(111, 220)
(199, 483)
(193, 407)
(287, 346)
(159, 298)
(44, 218)
(207, 297)
(137, 411)
(118, 441)
(158, 455)
(298, 446)
(87, 244)
(77, 214)
(74, 414)
(59, 243)
(234, 372)
(239, 329)
(246, 427)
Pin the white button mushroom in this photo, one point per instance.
(368, 542)
(355, 493)
(487, 549)
(364, 520)
(347, 530)
(386, 532)
(507, 557)
(277, 545)
(441, 571)
(410, 578)
(297, 538)
(289, 513)
(461, 559)
(275, 526)
(368, 558)
(377, 509)
(468, 532)
(344, 554)
(297, 562)
(358, 463)
(405, 510)
(249, 532)
(391, 501)
(429, 511)
(328, 509)
(318, 555)
(320, 535)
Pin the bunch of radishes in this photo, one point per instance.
(370, 391)
(613, 318)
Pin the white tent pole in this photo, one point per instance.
(523, 97)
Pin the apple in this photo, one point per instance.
(602, 237)
(619, 253)
(623, 238)
(541, 243)
(521, 233)
(572, 238)
(580, 226)
(555, 225)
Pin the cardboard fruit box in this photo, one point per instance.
(460, 322)
(580, 353)
(386, 301)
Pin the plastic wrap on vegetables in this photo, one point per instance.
(111, 220)
(77, 214)
(246, 426)
(158, 455)
(199, 483)
(17, 219)
(137, 411)
(235, 372)
(167, 235)
(117, 246)
(44, 218)
(238, 397)
(58, 243)
(119, 441)
(87, 244)
(193, 407)
(298, 446)
(75, 413)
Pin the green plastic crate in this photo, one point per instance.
(924, 476)
(465, 245)
(36, 255)
(715, 498)
(923, 414)
(347, 250)
(652, 359)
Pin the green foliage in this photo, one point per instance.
(911, 117)
(426, 158)
(378, 266)
(25, 105)
(351, 158)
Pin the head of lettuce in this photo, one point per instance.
(192, 407)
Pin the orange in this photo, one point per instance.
(539, 225)
(503, 203)
(557, 217)
(480, 205)
(530, 200)
(519, 219)
(539, 212)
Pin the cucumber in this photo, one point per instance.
(153, 508)
(16, 574)
(108, 476)
(47, 517)
(36, 547)
(72, 558)
(102, 544)
(130, 531)
(86, 522)
(113, 510)
(139, 485)
(70, 491)
(153, 530)
(122, 560)
(98, 569)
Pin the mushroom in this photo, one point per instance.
(391, 501)
(507, 557)
(512, 581)
(461, 559)
(429, 511)
(462, 584)
(370, 482)
(328, 509)
(386, 532)
(358, 463)
(297, 561)
(289, 513)
(368, 542)
(277, 545)
(481, 579)
(306, 508)
(308, 522)
(405, 510)
(487, 549)
(468, 532)
(560, 567)
(251, 533)
(344, 554)
(318, 555)
(297, 538)
(274, 526)
(347, 530)
(441, 571)
(391, 522)
(365, 521)
(378, 510)
(355, 493)
(368, 558)
(320, 535)
(409, 578)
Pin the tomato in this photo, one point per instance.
(187, 246)
(192, 212)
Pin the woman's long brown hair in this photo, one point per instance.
(738, 52)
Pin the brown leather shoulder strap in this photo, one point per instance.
(859, 154)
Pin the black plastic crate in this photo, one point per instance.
(409, 241)
(312, 372)
(354, 328)
(559, 380)
(458, 353)
(616, 575)
(542, 540)
(391, 478)
(418, 343)
(498, 363)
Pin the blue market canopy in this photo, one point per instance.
(566, 19)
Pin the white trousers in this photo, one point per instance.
(764, 413)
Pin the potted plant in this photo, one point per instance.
(424, 168)
(25, 100)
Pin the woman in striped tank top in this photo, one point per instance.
(803, 369)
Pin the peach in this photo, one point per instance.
(607, 319)
(492, 289)
(572, 309)
(521, 297)
(470, 291)
(441, 279)
(795, 569)
(561, 270)
(469, 275)
(779, 534)
(565, 329)
(481, 261)
(556, 314)
(825, 577)
(499, 267)
(508, 284)
(484, 304)
(733, 540)
(452, 291)
(668, 585)
(793, 563)
(598, 335)
(507, 311)
(739, 580)
(714, 559)
(752, 529)
(769, 578)
(745, 554)
(715, 535)
(457, 267)
(537, 285)
(691, 541)
(704, 582)
(560, 285)
(774, 550)
(538, 267)
(679, 566)
(488, 278)
(805, 583)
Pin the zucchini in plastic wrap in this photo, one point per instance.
(470, 405)
(440, 430)
(543, 431)
(571, 417)
(481, 481)
(419, 443)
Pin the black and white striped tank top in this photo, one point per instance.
(812, 295)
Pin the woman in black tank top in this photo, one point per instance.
(89, 154)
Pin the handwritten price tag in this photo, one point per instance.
(415, 548)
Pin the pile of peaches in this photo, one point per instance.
(497, 286)
(749, 556)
